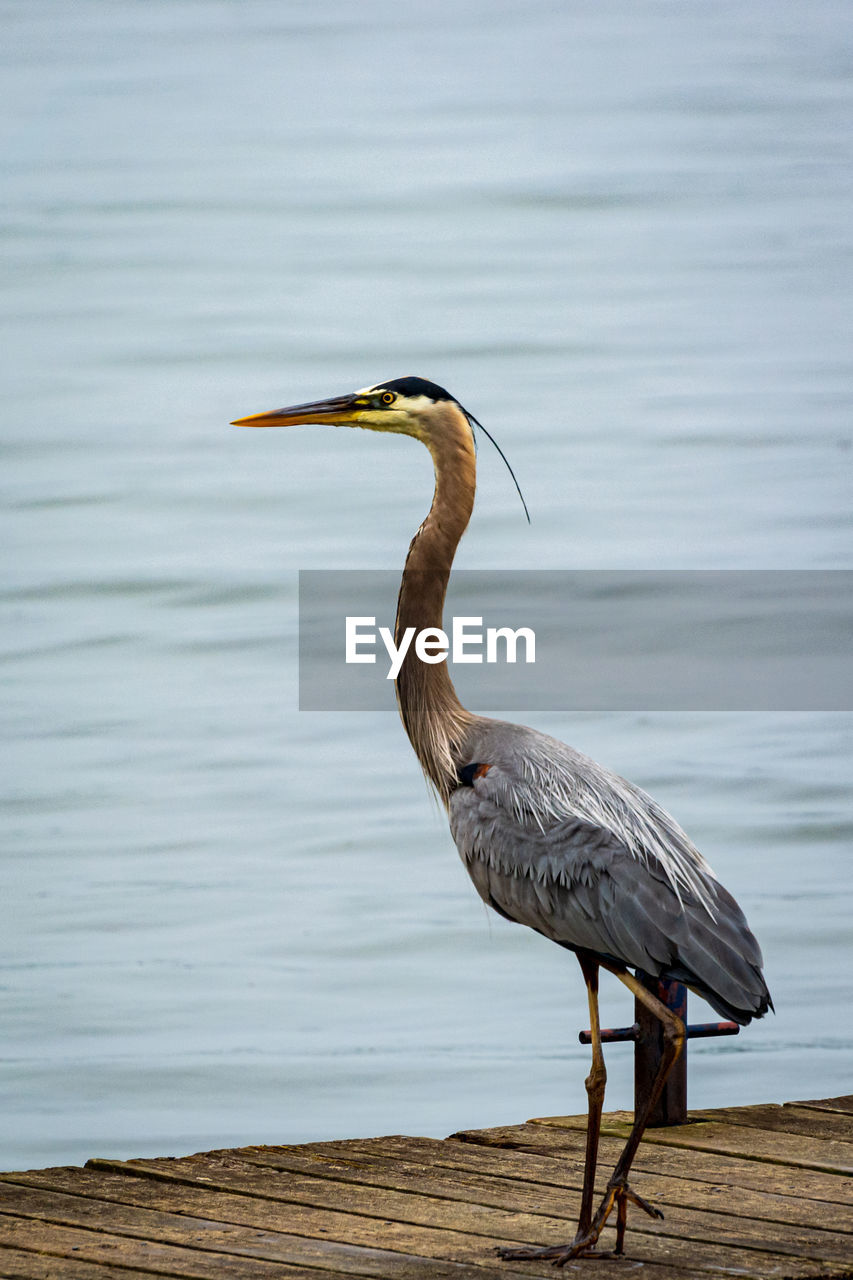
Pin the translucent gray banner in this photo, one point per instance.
(648, 640)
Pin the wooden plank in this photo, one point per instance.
(513, 1222)
(274, 1239)
(549, 1196)
(61, 1242)
(347, 1229)
(493, 1213)
(108, 1191)
(20, 1264)
(785, 1119)
(445, 1240)
(829, 1156)
(151, 1192)
(312, 1202)
(844, 1104)
(562, 1145)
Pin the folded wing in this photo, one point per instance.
(583, 885)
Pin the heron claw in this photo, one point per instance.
(651, 1209)
(583, 1246)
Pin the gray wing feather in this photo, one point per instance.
(581, 884)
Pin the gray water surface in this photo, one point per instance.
(620, 233)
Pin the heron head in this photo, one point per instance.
(407, 406)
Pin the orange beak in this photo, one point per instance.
(340, 411)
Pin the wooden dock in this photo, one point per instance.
(762, 1191)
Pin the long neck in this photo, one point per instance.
(432, 714)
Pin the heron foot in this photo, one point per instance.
(617, 1196)
(559, 1254)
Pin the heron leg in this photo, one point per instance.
(618, 1194)
(595, 1086)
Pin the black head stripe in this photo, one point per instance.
(415, 387)
(420, 387)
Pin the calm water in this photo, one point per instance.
(621, 234)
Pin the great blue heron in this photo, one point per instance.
(550, 838)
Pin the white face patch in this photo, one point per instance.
(404, 404)
(415, 414)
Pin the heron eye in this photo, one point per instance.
(387, 397)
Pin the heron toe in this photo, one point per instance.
(559, 1254)
(616, 1197)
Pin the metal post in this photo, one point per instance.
(647, 1034)
(671, 1106)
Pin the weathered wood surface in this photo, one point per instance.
(843, 1104)
(753, 1191)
